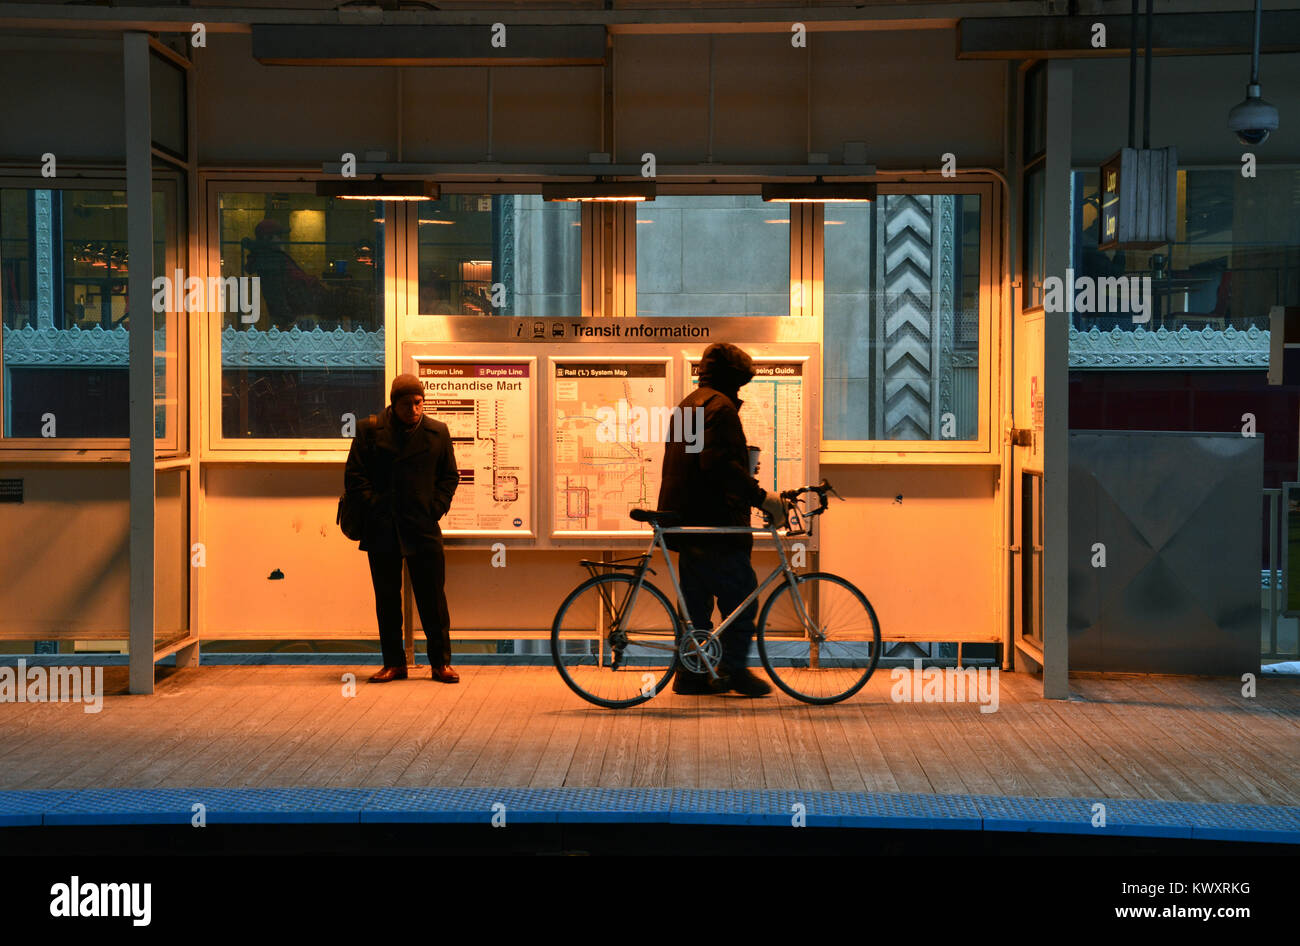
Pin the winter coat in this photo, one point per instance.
(712, 487)
(404, 486)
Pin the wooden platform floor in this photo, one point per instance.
(1166, 738)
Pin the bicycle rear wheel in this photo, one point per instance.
(830, 658)
(614, 641)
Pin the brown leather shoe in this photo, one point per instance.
(389, 673)
(446, 675)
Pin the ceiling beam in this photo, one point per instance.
(279, 45)
(739, 18)
(1070, 37)
(486, 171)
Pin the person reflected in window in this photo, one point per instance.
(402, 471)
(288, 292)
(713, 487)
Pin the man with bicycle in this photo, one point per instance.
(714, 487)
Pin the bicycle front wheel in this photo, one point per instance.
(825, 651)
(614, 641)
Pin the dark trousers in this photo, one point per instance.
(727, 575)
(428, 575)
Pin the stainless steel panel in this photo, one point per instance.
(1178, 516)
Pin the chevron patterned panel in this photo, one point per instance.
(907, 276)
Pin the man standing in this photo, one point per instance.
(713, 487)
(402, 471)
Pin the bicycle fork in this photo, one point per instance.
(811, 629)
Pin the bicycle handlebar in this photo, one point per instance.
(821, 490)
(791, 499)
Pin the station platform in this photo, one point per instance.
(1166, 757)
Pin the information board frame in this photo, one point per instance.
(530, 361)
(671, 397)
(480, 339)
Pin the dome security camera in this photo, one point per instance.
(1253, 119)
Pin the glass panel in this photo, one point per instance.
(1035, 112)
(531, 250)
(712, 256)
(1035, 182)
(901, 318)
(63, 281)
(167, 105)
(1237, 254)
(312, 347)
(171, 556)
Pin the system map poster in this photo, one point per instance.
(608, 447)
(773, 418)
(488, 407)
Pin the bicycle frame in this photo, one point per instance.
(782, 572)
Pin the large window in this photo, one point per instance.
(702, 256)
(64, 266)
(1237, 252)
(312, 351)
(901, 318)
(500, 254)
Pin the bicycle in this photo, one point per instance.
(617, 641)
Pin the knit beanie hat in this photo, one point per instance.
(404, 385)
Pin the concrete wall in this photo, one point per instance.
(78, 80)
(931, 569)
(63, 554)
(1190, 100)
(865, 87)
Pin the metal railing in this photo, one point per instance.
(1272, 580)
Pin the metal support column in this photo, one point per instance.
(1057, 220)
(139, 231)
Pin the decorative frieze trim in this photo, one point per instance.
(100, 348)
(1138, 348)
(295, 348)
(70, 347)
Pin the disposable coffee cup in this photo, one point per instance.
(753, 460)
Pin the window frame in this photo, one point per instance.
(982, 450)
(803, 289)
(169, 182)
(214, 445)
(1183, 169)
(411, 251)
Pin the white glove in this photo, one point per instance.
(774, 509)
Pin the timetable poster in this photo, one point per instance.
(488, 407)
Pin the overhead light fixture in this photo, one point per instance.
(819, 192)
(608, 191)
(378, 189)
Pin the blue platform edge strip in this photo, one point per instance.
(1123, 817)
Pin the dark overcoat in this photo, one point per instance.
(711, 487)
(404, 490)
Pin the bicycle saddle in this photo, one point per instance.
(666, 520)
